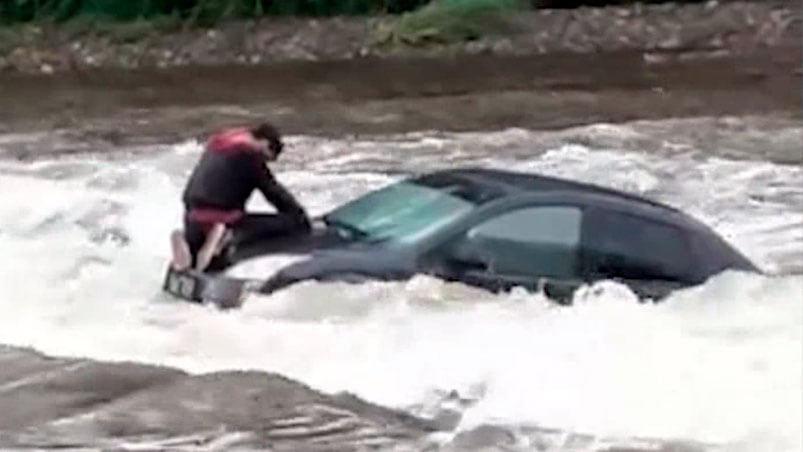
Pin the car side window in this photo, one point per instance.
(531, 241)
(627, 246)
(553, 225)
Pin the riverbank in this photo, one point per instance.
(107, 109)
(712, 28)
(555, 68)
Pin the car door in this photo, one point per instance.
(651, 256)
(534, 246)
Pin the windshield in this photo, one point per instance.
(404, 212)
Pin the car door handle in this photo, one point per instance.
(469, 265)
(466, 265)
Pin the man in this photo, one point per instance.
(233, 165)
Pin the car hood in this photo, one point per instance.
(323, 254)
(260, 260)
(261, 267)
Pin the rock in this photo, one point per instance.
(89, 403)
(447, 420)
(482, 437)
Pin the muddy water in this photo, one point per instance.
(714, 368)
(388, 96)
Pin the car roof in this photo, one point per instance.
(509, 183)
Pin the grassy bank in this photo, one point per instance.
(206, 11)
(435, 29)
(407, 22)
(16, 11)
(212, 11)
(444, 21)
(411, 22)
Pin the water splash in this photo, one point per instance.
(717, 363)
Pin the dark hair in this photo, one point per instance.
(266, 131)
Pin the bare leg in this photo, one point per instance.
(182, 258)
(215, 242)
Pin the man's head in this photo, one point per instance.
(270, 136)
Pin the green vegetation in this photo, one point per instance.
(208, 11)
(445, 21)
(407, 22)
(412, 22)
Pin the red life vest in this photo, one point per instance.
(237, 139)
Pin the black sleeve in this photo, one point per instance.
(278, 195)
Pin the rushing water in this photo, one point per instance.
(84, 242)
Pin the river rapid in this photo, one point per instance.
(84, 240)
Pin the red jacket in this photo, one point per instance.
(230, 169)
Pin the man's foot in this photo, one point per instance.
(216, 241)
(180, 250)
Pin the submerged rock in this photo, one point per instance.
(83, 403)
(484, 437)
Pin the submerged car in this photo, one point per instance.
(487, 228)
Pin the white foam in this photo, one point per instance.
(84, 251)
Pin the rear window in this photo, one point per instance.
(633, 247)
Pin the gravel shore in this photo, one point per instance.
(703, 28)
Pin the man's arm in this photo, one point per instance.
(279, 196)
